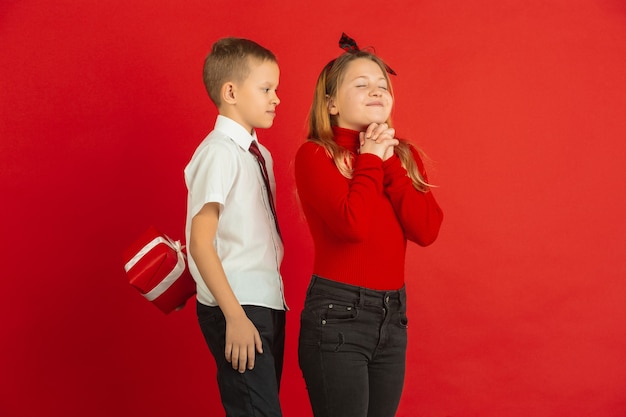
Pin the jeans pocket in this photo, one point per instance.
(338, 312)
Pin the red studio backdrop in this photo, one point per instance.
(519, 308)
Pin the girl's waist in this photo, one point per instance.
(355, 294)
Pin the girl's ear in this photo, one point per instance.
(229, 90)
(332, 107)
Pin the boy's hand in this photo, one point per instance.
(379, 140)
(242, 339)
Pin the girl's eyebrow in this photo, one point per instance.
(367, 77)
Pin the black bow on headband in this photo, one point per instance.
(349, 45)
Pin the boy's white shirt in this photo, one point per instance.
(222, 170)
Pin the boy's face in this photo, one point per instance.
(362, 97)
(255, 98)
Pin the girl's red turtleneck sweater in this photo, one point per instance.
(360, 226)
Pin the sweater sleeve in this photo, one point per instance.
(418, 212)
(339, 202)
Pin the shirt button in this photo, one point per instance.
(323, 321)
(330, 306)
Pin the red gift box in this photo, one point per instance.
(156, 266)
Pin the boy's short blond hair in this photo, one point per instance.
(229, 60)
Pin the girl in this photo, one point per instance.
(364, 193)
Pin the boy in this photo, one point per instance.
(235, 248)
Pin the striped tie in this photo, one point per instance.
(254, 149)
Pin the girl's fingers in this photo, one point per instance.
(370, 130)
(379, 132)
(375, 129)
(386, 136)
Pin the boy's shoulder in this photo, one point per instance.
(216, 152)
(217, 141)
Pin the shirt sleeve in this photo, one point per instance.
(418, 212)
(210, 176)
(341, 203)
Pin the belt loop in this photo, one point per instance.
(311, 283)
(361, 296)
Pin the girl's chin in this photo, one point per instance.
(377, 121)
(378, 118)
(361, 127)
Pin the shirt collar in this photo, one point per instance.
(235, 131)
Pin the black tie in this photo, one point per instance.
(254, 149)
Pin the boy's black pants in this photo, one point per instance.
(255, 392)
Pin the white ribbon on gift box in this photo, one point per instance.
(167, 282)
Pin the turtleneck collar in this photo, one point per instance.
(347, 138)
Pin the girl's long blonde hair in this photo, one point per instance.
(321, 121)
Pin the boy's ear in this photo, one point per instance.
(229, 90)
(332, 108)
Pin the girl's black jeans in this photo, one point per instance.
(352, 349)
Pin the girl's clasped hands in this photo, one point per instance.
(379, 139)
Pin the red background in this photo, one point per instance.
(519, 309)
